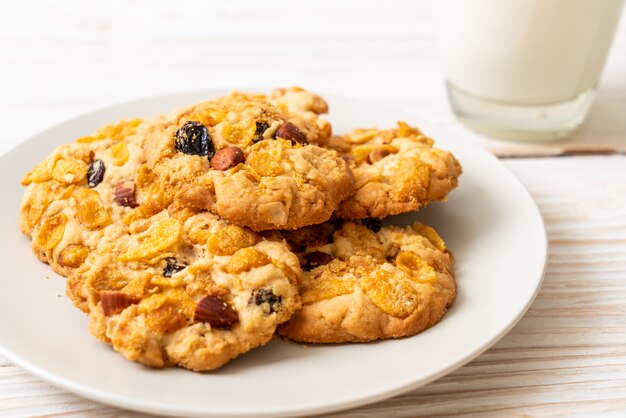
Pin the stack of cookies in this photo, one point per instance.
(192, 238)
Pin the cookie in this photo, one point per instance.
(86, 190)
(186, 289)
(252, 162)
(364, 284)
(303, 109)
(395, 170)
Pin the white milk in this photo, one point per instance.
(526, 52)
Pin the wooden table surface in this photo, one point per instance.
(566, 357)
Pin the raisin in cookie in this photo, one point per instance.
(250, 161)
(86, 190)
(363, 284)
(187, 289)
(395, 170)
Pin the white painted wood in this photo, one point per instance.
(566, 357)
(59, 59)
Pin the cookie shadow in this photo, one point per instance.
(277, 350)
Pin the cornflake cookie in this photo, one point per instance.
(364, 284)
(187, 289)
(251, 161)
(395, 170)
(87, 190)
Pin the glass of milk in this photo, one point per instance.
(524, 69)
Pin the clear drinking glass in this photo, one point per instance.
(524, 69)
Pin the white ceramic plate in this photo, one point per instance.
(490, 222)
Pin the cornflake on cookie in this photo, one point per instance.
(252, 160)
(395, 171)
(88, 190)
(366, 283)
(186, 289)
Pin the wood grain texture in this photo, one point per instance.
(60, 59)
(566, 357)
